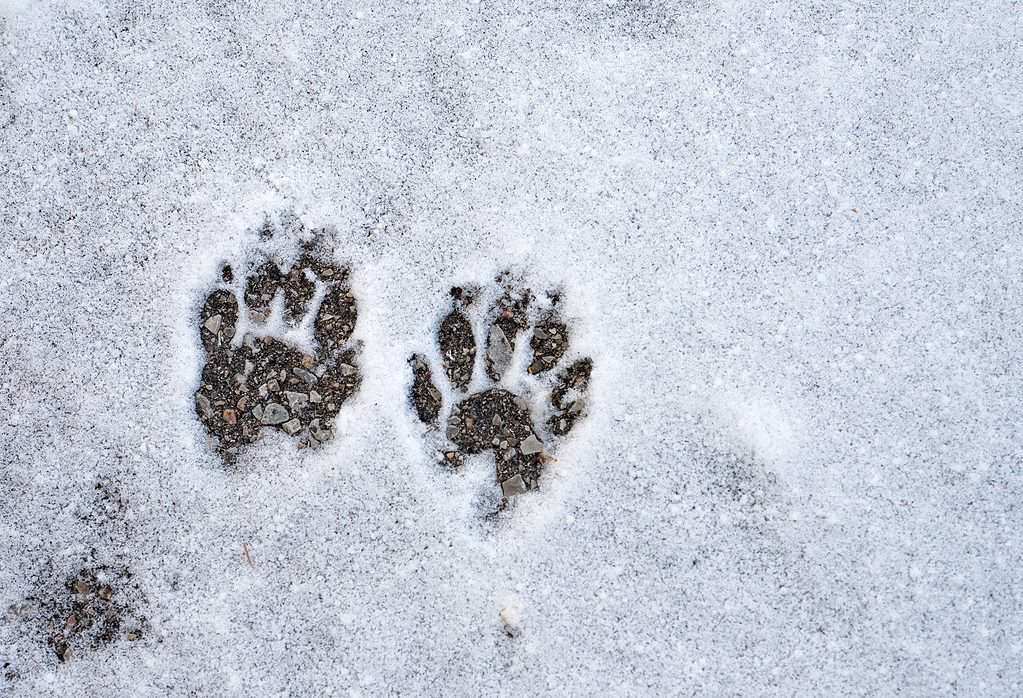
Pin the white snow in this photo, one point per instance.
(788, 234)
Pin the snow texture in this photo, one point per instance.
(788, 234)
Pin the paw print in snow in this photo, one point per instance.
(497, 418)
(265, 378)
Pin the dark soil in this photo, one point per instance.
(497, 419)
(510, 318)
(549, 343)
(458, 348)
(425, 396)
(567, 409)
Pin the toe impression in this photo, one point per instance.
(458, 349)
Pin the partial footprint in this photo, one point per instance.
(99, 606)
(258, 375)
(495, 418)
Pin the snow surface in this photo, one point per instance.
(789, 235)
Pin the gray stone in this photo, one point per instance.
(274, 414)
(204, 404)
(347, 370)
(296, 400)
(499, 350)
(305, 375)
(314, 397)
(213, 324)
(531, 445)
(318, 432)
(292, 427)
(514, 486)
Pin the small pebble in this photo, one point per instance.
(305, 375)
(318, 432)
(531, 445)
(204, 405)
(274, 413)
(513, 486)
(213, 324)
(296, 400)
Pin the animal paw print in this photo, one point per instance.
(99, 607)
(499, 417)
(279, 359)
(75, 612)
